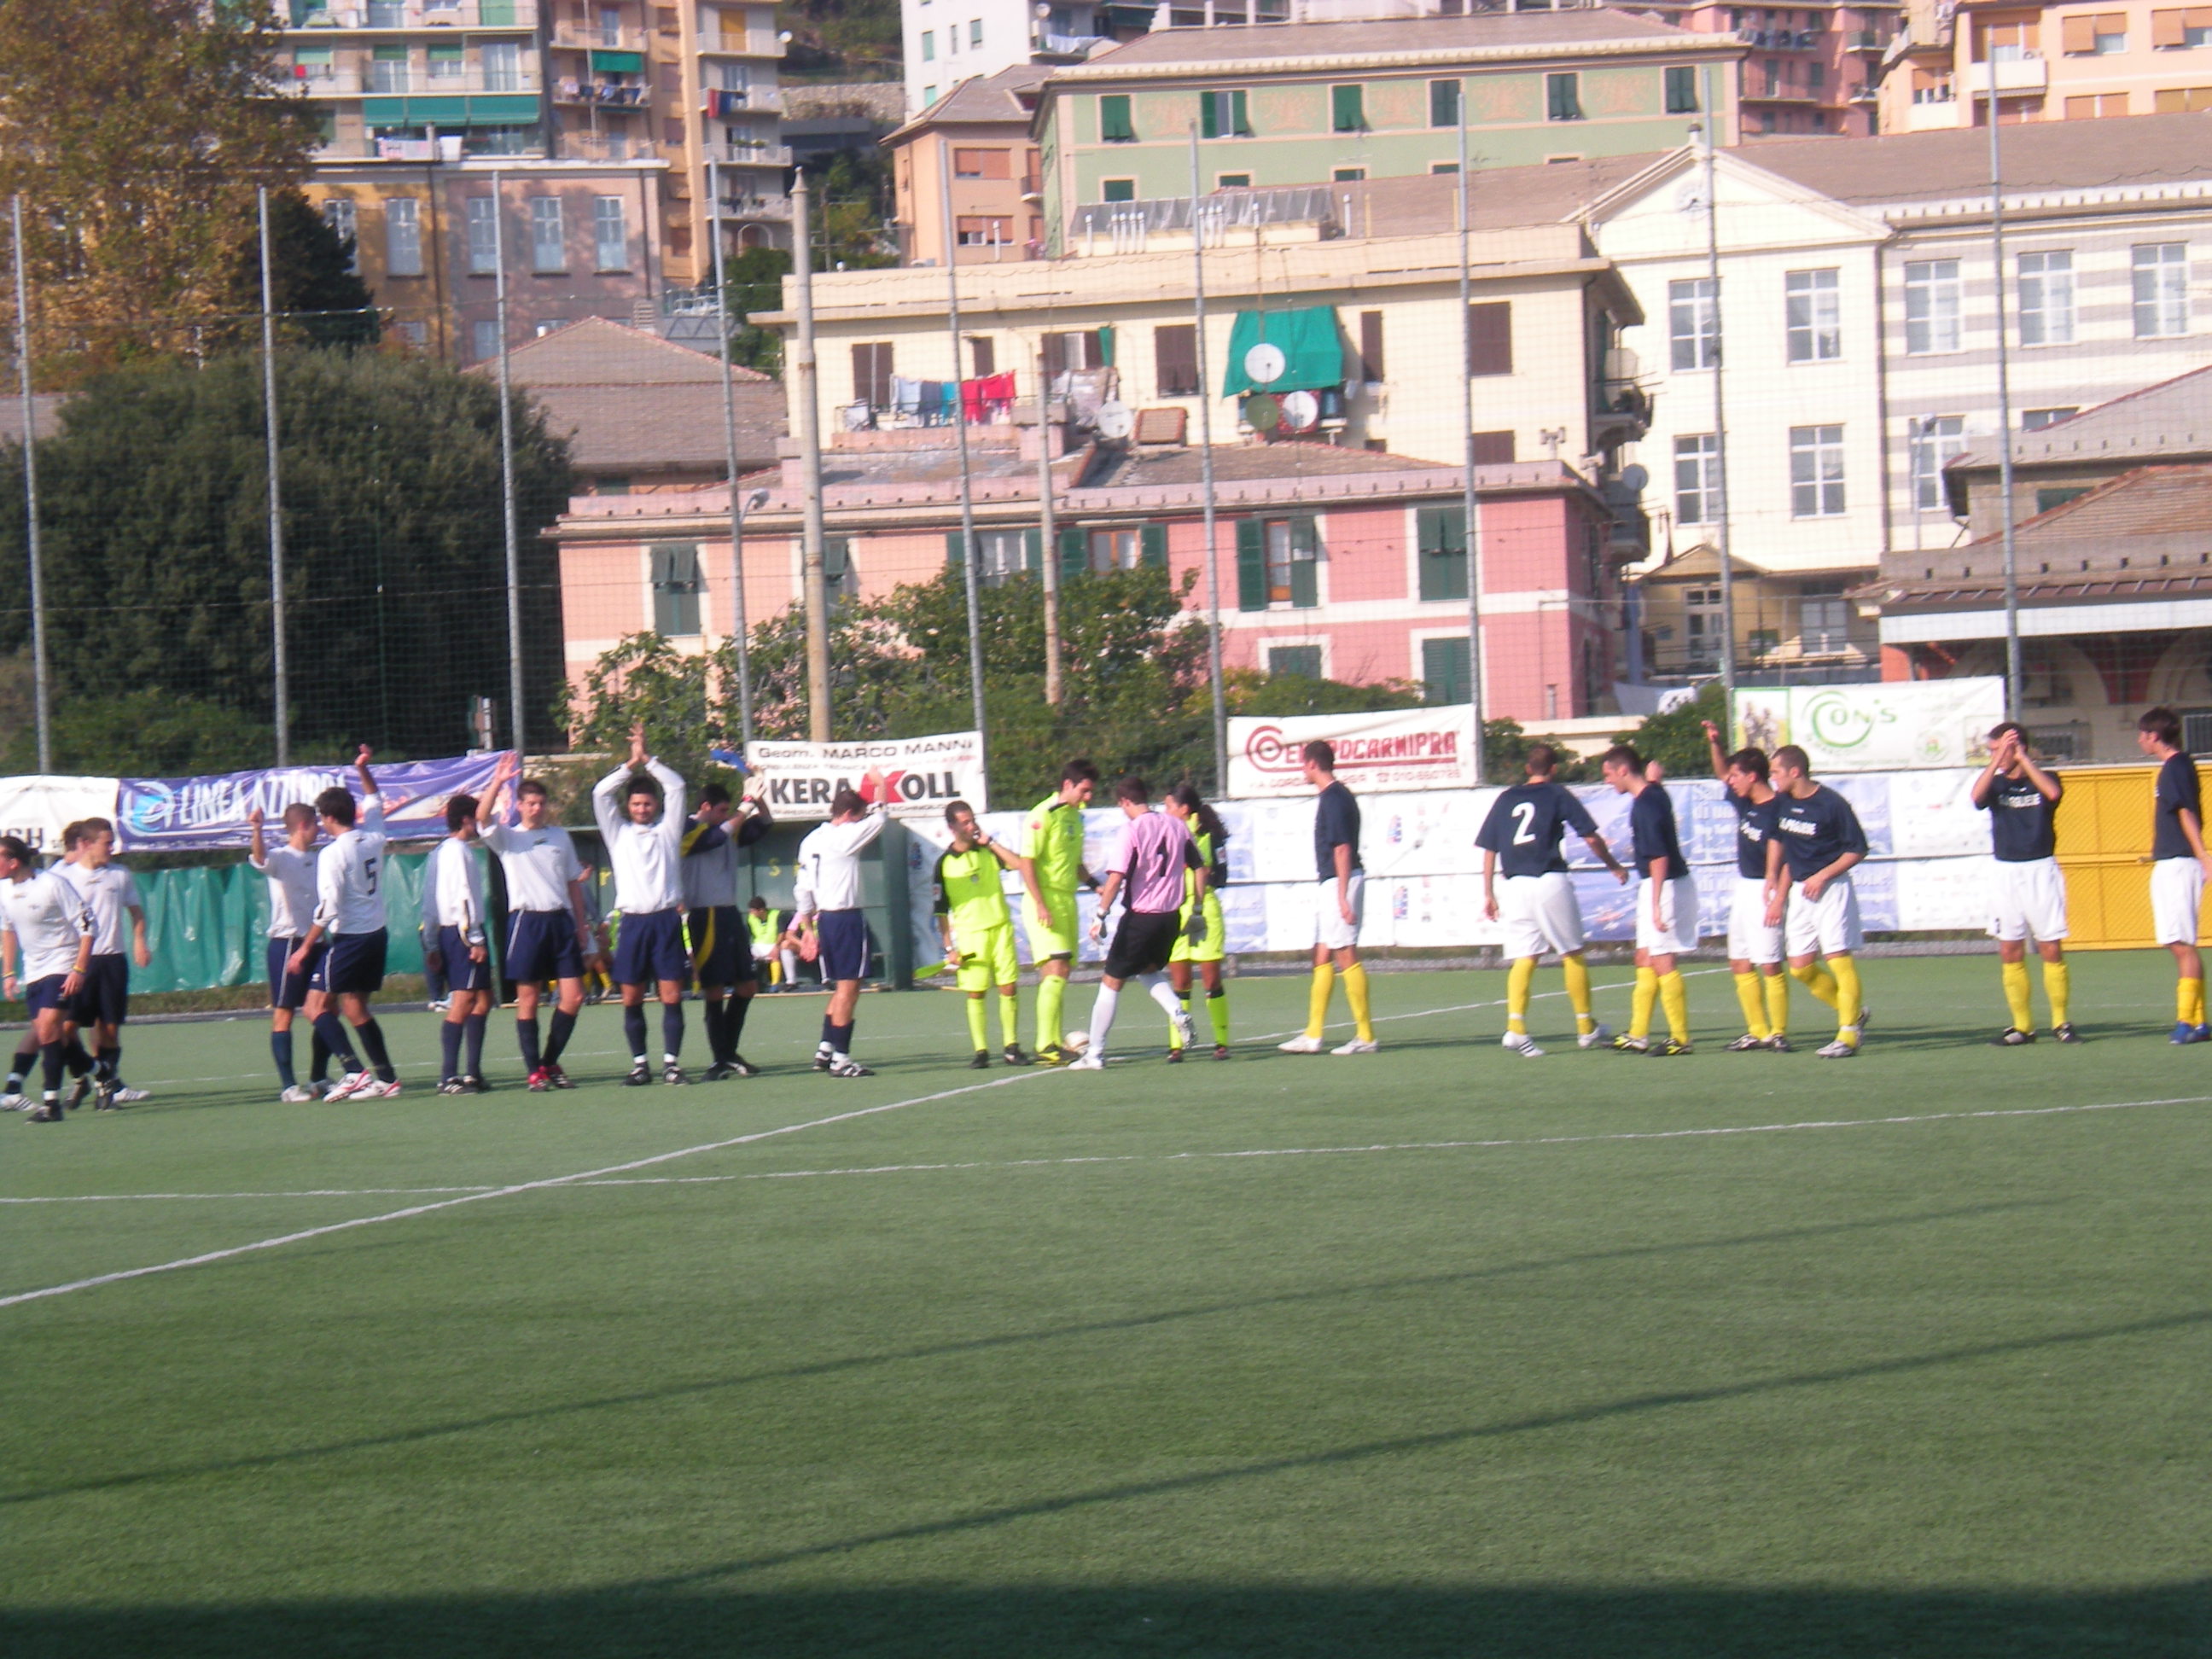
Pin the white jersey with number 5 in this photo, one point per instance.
(348, 899)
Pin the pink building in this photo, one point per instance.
(1809, 70)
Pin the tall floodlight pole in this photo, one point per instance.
(1206, 480)
(970, 552)
(738, 625)
(1720, 418)
(42, 699)
(2004, 405)
(813, 576)
(1047, 536)
(507, 469)
(280, 661)
(1470, 508)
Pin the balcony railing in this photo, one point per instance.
(747, 155)
(351, 83)
(762, 44)
(753, 207)
(1865, 40)
(604, 147)
(578, 37)
(516, 14)
(1780, 39)
(720, 102)
(611, 94)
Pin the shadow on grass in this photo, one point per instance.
(1050, 1621)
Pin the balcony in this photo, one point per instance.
(603, 94)
(420, 86)
(1070, 45)
(1933, 116)
(1865, 40)
(1620, 409)
(741, 46)
(721, 101)
(1781, 40)
(747, 155)
(607, 147)
(576, 37)
(2029, 73)
(519, 16)
(731, 209)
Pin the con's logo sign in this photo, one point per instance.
(1269, 751)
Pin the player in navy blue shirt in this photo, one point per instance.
(2027, 891)
(2178, 865)
(1666, 905)
(1817, 843)
(1754, 946)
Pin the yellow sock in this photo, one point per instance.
(1777, 1003)
(1578, 991)
(1518, 978)
(1051, 999)
(1355, 993)
(1675, 997)
(1817, 980)
(1847, 998)
(1324, 980)
(1010, 1020)
(2189, 1001)
(1174, 1038)
(1749, 992)
(2058, 987)
(1639, 1003)
(978, 1032)
(2016, 996)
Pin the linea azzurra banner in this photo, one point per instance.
(203, 813)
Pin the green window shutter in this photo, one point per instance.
(1033, 550)
(1443, 671)
(1113, 124)
(496, 13)
(1681, 90)
(1443, 103)
(1251, 565)
(1346, 109)
(1117, 189)
(1562, 97)
(1305, 563)
(1074, 554)
(390, 54)
(1240, 121)
(1209, 114)
(952, 549)
(445, 54)
(1441, 535)
(1153, 538)
(1106, 347)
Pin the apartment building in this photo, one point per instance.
(980, 133)
(2048, 63)
(1808, 69)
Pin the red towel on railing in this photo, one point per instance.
(985, 399)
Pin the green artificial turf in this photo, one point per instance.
(1061, 1364)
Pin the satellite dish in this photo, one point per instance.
(1634, 478)
(1263, 413)
(1116, 420)
(1265, 364)
(1300, 412)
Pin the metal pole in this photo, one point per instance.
(1470, 508)
(737, 624)
(2004, 405)
(968, 550)
(506, 470)
(1205, 481)
(1048, 537)
(280, 663)
(41, 690)
(814, 581)
(1720, 418)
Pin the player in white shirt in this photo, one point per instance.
(639, 809)
(827, 900)
(454, 944)
(75, 1055)
(290, 869)
(548, 931)
(349, 916)
(103, 1002)
(46, 929)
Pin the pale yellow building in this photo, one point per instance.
(2051, 63)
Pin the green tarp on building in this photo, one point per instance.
(1308, 338)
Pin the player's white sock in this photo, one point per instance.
(1101, 1019)
(1158, 988)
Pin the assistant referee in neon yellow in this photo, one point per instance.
(979, 929)
(1052, 839)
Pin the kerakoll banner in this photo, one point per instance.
(194, 814)
(1387, 749)
(919, 775)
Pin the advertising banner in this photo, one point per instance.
(1390, 749)
(918, 774)
(36, 808)
(1892, 726)
(196, 814)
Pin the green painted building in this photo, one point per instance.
(1317, 103)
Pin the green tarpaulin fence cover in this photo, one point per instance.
(209, 928)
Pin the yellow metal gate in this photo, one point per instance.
(2103, 826)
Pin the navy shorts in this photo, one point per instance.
(287, 989)
(43, 993)
(844, 936)
(541, 944)
(721, 949)
(353, 965)
(104, 995)
(650, 948)
(461, 973)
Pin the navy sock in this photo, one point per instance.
(525, 1038)
(73, 1052)
(475, 1029)
(50, 1065)
(843, 1042)
(372, 1039)
(633, 1028)
(671, 1030)
(280, 1047)
(449, 1038)
(733, 1024)
(562, 1025)
(332, 1029)
(829, 1032)
(711, 1017)
(108, 1062)
(320, 1057)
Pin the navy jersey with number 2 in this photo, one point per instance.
(1526, 825)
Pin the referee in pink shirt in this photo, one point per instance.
(1155, 851)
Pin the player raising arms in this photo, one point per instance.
(644, 837)
(979, 929)
(349, 923)
(46, 931)
(1156, 850)
(1522, 837)
(827, 900)
(1817, 841)
(1208, 945)
(1051, 840)
(1666, 905)
(1754, 945)
(721, 951)
(454, 944)
(2027, 895)
(2178, 865)
(548, 935)
(291, 871)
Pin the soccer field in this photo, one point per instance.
(1439, 1351)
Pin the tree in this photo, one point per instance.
(1676, 739)
(319, 297)
(1250, 691)
(755, 280)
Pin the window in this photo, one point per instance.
(1816, 471)
(609, 233)
(1224, 115)
(1174, 361)
(610, 26)
(981, 164)
(338, 215)
(2012, 40)
(417, 336)
(483, 341)
(1492, 448)
(2087, 33)
(984, 230)
(1117, 189)
(446, 62)
(1114, 125)
(2182, 100)
(2181, 29)
(1303, 660)
(676, 586)
(403, 239)
(1682, 90)
(1824, 619)
(2047, 499)
(1371, 346)
(928, 96)
(1124, 547)
(986, 356)
(1347, 175)
(1004, 553)
(1347, 111)
(929, 46)
(2161, 273)
(1934, 440)
(484, 236)
(841, 574)
(2034, 420)
(1814, 307)
(1440, 545)
(2096, 106)
(1693, 322)
(387, 70)
(2046, 299)
(1233, 181)
(1931, 305)
(1443, 103)
(1563, 98)
(1489, 338)
(549, 239)
(1439, 169)
(1698, 478)
(1277, 563)
(1705, 617)
(975, 33)
(1064, 352)
(1443, 671)
(502, 66)
(871, 374)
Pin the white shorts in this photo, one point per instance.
(1676, 930)
(1827, 925)
(1749, 939)
(1539, 914)
(2177, 900)
(2027, 900)
(1331, 930)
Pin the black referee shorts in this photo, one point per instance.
(1142, 943)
